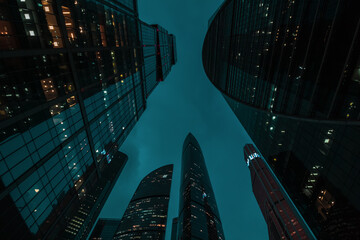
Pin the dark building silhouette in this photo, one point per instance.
(146, 215)
(198, 214)
(74, 81)
(283, 219)
(290, 71)
(174, 228)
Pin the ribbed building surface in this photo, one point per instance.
(290, 70)
(198, 213)
(73, 84)
(146, 215)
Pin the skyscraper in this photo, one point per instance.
(146, 215)
(73, 84)
(281, 216)
(198, 214)
(290, 72)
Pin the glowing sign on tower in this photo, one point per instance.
(251, 157)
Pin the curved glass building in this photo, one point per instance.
(146, 215)
(198, 214)
(290, 71)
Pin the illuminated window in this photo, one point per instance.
(27, 16)
(32, 33)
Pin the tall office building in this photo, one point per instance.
(146, 215)
(290, 71)
(198, 213)
(281, 216)
(73, 85)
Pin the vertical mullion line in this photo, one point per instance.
(77, 84)
(142, 75)
(324, 56)
(230, 45)
(291, 62)
(280, 59)
(345, 65)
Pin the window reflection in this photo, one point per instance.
(69, 23)
(324, 202)
(48, 87)
(52, 24)
(7, 38)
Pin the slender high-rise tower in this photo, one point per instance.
(146, 215)
(198, 213)
(290, 71)
(75, 76)
(283, 219)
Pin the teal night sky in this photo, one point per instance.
(187, 102)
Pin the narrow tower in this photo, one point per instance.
(198, 214)
(283, 219)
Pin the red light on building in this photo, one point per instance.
(281, 216)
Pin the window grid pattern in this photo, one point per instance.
(108, 127)
(164, 51)
(102, 100)
(36, 196)
(149, 41)
(20, 152)
(104, 60)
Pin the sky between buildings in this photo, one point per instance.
(187, 102)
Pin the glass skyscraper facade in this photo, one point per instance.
(198, 213)
(73, 85)
(159, 50)
(281, 216)
(290, 72)
(146, 215)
